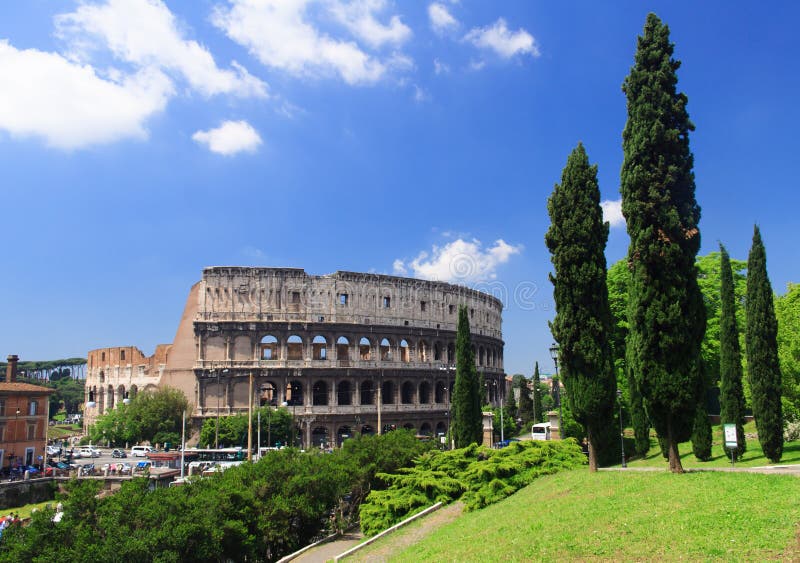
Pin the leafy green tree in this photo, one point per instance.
(577, 240)
(153, 416)
(787, 311)
(730, 356)
(467, 417)
(538, 408)
(666, 315)
(276, 428)
(762, 352)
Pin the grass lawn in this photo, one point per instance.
(753, 457)
(576, 515)
(59, 432)
(25, 511)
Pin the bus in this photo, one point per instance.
(540, 431)
(210, 459)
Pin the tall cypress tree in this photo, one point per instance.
(761, 338)
(666, 315)
(639, 420)
(731, 394)
(538, 412)
(582, 326)
(701, 433)
(467, 423)
(525, 403)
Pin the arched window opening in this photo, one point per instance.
(342, 348)
(386, 350)
(344, 395)
(319, 393)
(481, 356)
(364, 349)
(319, 348)
(437, 352)
(441, 429)
(294, 393)
(451, 353)
(269, 348)
(387, 393)
(440, 394)
(319, 437)
(425, 429)
(424, 393)
(404, 352)
(343, 434)
(424, 353)
(367, 393)
(294, 348)
(407, 393)
(268, 394)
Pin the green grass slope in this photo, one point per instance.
(576, 515)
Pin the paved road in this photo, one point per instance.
(331, 549)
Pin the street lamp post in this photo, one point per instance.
(554, 356)
(621, 433)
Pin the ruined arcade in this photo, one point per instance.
(346, 352)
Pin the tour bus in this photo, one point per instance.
(540, 431)
(215, 459)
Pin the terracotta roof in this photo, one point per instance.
(24, 387)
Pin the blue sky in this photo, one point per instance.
(141, 141)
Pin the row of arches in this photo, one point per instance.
(106, 397)
(367, 348)
(321, 435)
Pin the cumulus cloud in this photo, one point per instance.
(440, 17)
(146, 34)
(612, 212)
(360, 18)
(502, 41)
(459, 261)
(279, 35)
(230, 138)
(69, 105)
(439, 67)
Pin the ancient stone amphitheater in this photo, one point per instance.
(346, 352)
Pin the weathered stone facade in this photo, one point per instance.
(342, 350)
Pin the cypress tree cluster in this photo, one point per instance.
(731, 394)
(639, 420)
(525, 404)
(467, 424)
(666, 314)
(761, 334)
(577, 240)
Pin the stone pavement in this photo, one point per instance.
(328, 550)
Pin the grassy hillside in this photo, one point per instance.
(575, 515)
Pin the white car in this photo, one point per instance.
(140, 451)
(89, 452)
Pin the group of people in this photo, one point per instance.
(8, 520)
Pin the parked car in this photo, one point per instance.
(140, 451)
(53, 450)
(118, 453)
(90, 452)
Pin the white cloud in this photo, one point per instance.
(459, 261)
(359, 17)
(502, 41)
(230, 138)
(69, 105)
(279, 35)
(145, 33)
(420, 95)
(612, 212)
(440, 17)
(439, 67)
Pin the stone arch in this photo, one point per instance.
(342, 348)
(425, 429)
(268, 394)
(241, 394)
(387, 393)
(294, 347)
(451, 353)
(386, 350)
(367, 393)
(294, 393)
(405, 350)
(215, 349)
(344, 393)
(407, 393)
(269, 348)
(242, 348)
(214, 395)
(319, 393)
(343, 434)
(437, 351)
(424, 393)
(440, 392)
(364, 349)
(319, 437)
(423, 351)
(408, 426)
(481, 356)
(441, 428)
(319, 348)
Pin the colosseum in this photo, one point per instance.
(346, 352)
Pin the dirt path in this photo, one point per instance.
(407, 536)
